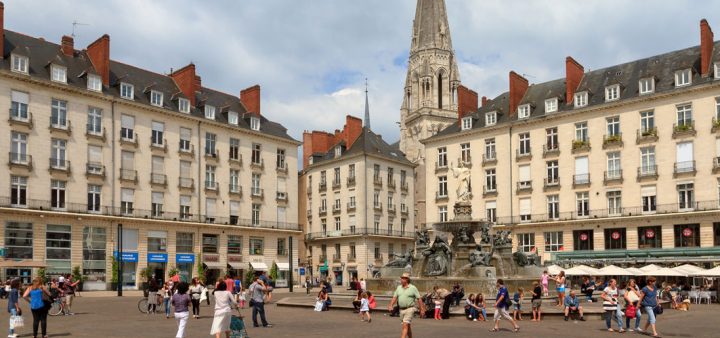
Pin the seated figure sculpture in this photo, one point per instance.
(438, 256)
(401, 261)
(479, 257)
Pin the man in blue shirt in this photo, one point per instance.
(502, 301)
(572, 304)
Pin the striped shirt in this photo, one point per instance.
(612, 294)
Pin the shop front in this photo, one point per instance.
(94, 258)
(338, 274)
(352, 273)
(236, 267)
(185, 263)
(283, 275)
(157, 262)
(129, 263)
(213, 268)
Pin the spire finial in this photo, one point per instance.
(367, 106)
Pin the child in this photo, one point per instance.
(517, 299)
(544, 280)
(536, 302)
(438, 309)
(241, 298)
(365, 307)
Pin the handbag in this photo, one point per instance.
(17, 322)
(630, 311)
(633, 297)
(319, 306)
(658, 310)
(252, 302)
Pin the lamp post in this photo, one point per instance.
(120, 259)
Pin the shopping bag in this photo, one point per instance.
(630, 311)
(17, 322)
(319, 306)
(203, 295)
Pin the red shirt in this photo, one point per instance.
(230, 284)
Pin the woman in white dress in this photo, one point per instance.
(224, 303)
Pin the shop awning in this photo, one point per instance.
(259, 266)
(25, 263)
(283, 266)
(214, 265)
(239, 265)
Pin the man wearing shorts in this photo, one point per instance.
(572, 305)
(501, 307)
(406, 296)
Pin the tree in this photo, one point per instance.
(77, 274)
(114, 273)
(249, 276)
(42, 274)
(200, 269)
(274, 271)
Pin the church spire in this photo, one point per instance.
(430, 28)
(367, 106)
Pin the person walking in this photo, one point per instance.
(536, 301)
(196, 291)
(164, 292)
(610, 305)
(224, 302)
(560, 287)
(649, 301)
(237, 288)
(257, 290)
(153, 289)
(68, 288)
(502, 302)
(406, 296)
(38, 296)
(13, 296)
(181, 301)
(632, 298)
(365, 307)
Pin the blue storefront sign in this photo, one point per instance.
(185, 258)
(157, 258)
(127, 256)
(301, 271)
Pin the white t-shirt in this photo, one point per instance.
(223, 301)
(363, 285)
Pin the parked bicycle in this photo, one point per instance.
(57, 308)
(143, 303)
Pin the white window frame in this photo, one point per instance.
(466, 123)
(614, 201)
(551, 105)
(442, 186)
(254, 123)
(613, 126)
(490, 118)
(524, 111)
(647, 120)
(19, 63)
(127, 91)
(646, 86)
(184, 105)
(442, 157)
(233, 118)
(553, 241)
(612, 93)
(683, 77)
(582, 204)
(716, 67)
(442, 213)
(94, 82)
(581, 99)
(156, 98)
(581, 131)
(526, 242)
(209, 112)
(58, 73)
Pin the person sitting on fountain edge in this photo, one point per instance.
(572, 305)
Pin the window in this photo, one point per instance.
(553, 241)
(94, 253)
(553, 172)
(336, 176)
(553, 203)
(209, 112)
(256, 190)
(184, 242)
(57, 194)
(684, 157)
(185, 135)
(390, 175)
(59, 73)
(614, 199)
(234, 245)
(254, 123)
(94, 123)
(19, 105)
(442, 157)
(18, 191)
(94, 82)
(157, 204)
(156, 98)
(467, 123)
(613, 126)
(281, 250)
(526, 242)
(442, 213)
(210, 210)
(18, 240)
(683, 77)
(551, 105)
(647, 85)
(583, 240)
(490, 118)
(684, 115)
(490, 180)
(351, 172)
(716, 67)
(337, 220)
(649, 196)
(256, 246)
(58, 248)
(184, 105)
(649, 237)
(612, 93)
(233, 118)
(235, 211)
(716, 234)
(465, 153)
(491, 211)
(127, 91)
(377, 253)
(647, 122)
(686, 196)
(234, 149)
(255, 214)
(126, 201)
(58, 117)
(157, 241)
(376, 171)
(256, 150)
(525, 210)
(185, 206)
(614, 170)
(376, 199)
(210, 140)
(524, 177)
(647, 161)
(581, 131)
(57, 155)
(583, 203)
(19, 64)
(524, 146)
(717, 108)
(323, 178)
(581, 99)
(234, 180)
(209, 243)
(158, 132)
(551, 138)
(19, 148)
(490, 149)
(615, 239)
(687, 235)
(210, 176)
(524, 111)
(93, 198)
(127, 127)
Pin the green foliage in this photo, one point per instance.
(274, 271)
(577, 144)
(613, 138)
(146, 274)
(77, 274)
(200, 269)
(249, 276)
(114, 273)
(173, 270)
(684, 127)
(650, 132)
(42, 274)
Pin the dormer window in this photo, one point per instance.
(94, 83)
(490, 118)
(127, 91)
(716, 67)
(310, 160)
(551, 105)
(209, 112)
(184, 105)
(156, 98)
(466, 123)
(646, 85)
(19, 64)
(59, 73)
(524, 111)
(254, 123)
(683, 77)
(233, 118)
(581, 99)
(338, 151)
(612, 93)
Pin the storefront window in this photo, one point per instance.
(58, 248)
(19, 240)
(209, 243)
(157, 241)
(130, 257)
(553, 241)
(281, 247)
(94, 253)
(687, 235)
(184, 242)
(615, 239)
(649, 237)
(716, 234)
(583, 240)
(256, 246)
(234, 245)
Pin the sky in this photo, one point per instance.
(311, 57)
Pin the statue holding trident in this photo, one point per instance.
(462, 173)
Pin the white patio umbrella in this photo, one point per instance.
(650, 267)
(554, 269)
(688, 269)
(714, 272)
(612, 270)
(581, 270)
(635, 271)
(665, 272)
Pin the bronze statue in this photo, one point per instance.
(523, 259)
(478, 257)
(438, 256)
(401, 261)
(422, 239)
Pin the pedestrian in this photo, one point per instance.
(536, 302)
(502, 302)
(13, 296)
(610, 305)
(407, 296)
(229, 284)
(544, 281)
(363, 284)
(438, 308)
(38, 296)
(165, 294)
(308, 285)
(560, 287)
(196, 291)
(649, 301)
(632, 305)
(180, 301)
(480, 302)
(269, 286)
(365, 307)
(224, 302)
(472, 311)
(458, 293)
(257, 290)
(237, 288)
(517, 303)
(68, 289)
(153, 289)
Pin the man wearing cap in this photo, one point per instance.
(406, 295)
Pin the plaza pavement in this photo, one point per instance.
(100, 316)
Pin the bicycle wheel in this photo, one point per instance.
(143, 305)
(55, 309)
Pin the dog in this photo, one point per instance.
(684, 306)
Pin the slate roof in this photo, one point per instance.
(367, 143)
(660, 67)
(42, 53)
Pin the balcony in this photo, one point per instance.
(646, 136)
(404, 209)
(282, 168)
(159, 146)
(684, 168)
(612, 141)
(613, 177)
(350, 258)
(441, 196)
(350, 181)
(441, 166)
(685, 129)
(403, 186)
(57, 125)
(581, 180)
(336, 209)
(130, 140)
(281, 197)
(95, 169)
(377, 180)
(551, 150)
(235, 160)
(580, 146)
(16, 119)
(336, 258)
(20, 160)
(490, 191)
(212, 155)
(322, 211)
(158, 180)
(391, 184)
(185, 149)
(90, 133)
(391, 208)
(235, 189)
(352, 231)
(378, 207)
(350, 207)
(257, 164)
(465, 161)
(59, 166)
(647, 173)
(524, 187)
(128, 175)
(336, 184)
(186, 183)
(716, 165)
(489, 159)
(523, 156)
(551, 183)
(211, 186)
(257, 193)
(323, 186)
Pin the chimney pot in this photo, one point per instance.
(250, 97)
(68, 45)
(99, 54)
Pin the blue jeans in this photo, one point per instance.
(166, 302)
(650, 314)
(609, 314)
(13, 312)
(482, 310)
(259, 307)
(637, 320)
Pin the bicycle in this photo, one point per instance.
(143, 304)
(57, 308)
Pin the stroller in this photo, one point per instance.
(237, 328)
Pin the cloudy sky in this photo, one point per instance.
(311, 57)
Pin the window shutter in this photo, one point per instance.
(20, 97)
(210, 207)
(524, 173)
(159, 126)
(581, 165)
(157, 234)
(127, 121)
(648, 191)
(158, 165)
(491, 205)
(126, 195)
(157, 198)
(95, 154)
(684, 152)
(185, 133)
(128, 159)
(281, 215)
(525, 206)
(234, 208)
(282, 185)
(185, 200)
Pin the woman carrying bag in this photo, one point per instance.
(40, 303)
(632, 302)
(16, 319)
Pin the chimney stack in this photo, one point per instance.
(573, 75)
(99, 54)
(706, 47)
(2, 30)
(484, 101)
(187, 81)
(518, 86)
(352, 130)
(68, 45)
(467, 102)
(250, 97)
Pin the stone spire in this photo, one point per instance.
(430, 28)
(367, 107)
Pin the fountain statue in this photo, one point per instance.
(437, 256)
(480, 257)
(401, 261)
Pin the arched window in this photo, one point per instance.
(440, 92)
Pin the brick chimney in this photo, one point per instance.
(518, 86)
(99, 54)
(484, 101)
(467, 101)
(250, 97)
(187, 81)
(2, 30)
(68, 45)
(706, 47)
(316, 142)
(573, 75)
(352, 130)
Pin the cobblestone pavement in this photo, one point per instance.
(119, 317)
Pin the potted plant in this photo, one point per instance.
(273, 273)
(78, 277)
(114, 274)
(42, 274)
(172, 271)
